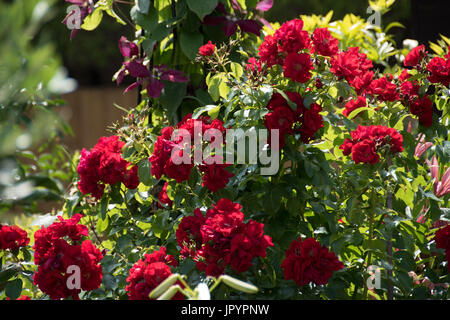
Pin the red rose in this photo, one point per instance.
(350, 64)
(414, 57)
(324, 43)
(364, 151)
(104, 165)
(440, 71)
(352, 105)
(442, 238)
(422, 107)
(298, 66)
(215, 176)
(291, 38)
(221, 239)
(307, 261)
(207, 50)
(147, 274)
(268, 51)
(384, 89)
(53, 255)
(12, 237)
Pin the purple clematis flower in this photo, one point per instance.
(134, 66)
(86, 8)
(230, 23)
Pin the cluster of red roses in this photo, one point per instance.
(307, 261)
(12, 237)
(366, 142)
(147, 274)
(442, 239)
(215, 176)
(104, 165)
(221, 238)
(58, 247)
(306, 121)
(288, 47)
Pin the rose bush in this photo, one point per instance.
(359, 129)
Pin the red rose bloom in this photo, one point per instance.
(147, 274)
(54, 255)
(215, 176)
(12, 237)
(422, 107)
(415, 56)
(307, 261)
(364, 151)
(268, 52)
(324, 43)
(442, 238)
(253, 66)
(282, 118)
(306, 121)
(352, 105)
(104, 165)
(221, 239)
(384, 89)
(298, 67)
(362, 82)
(350, 64)
(367, 141)
(440, 71)
(207, 49)
(291, 38)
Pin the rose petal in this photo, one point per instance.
(131, 87)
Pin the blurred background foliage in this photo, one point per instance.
(33, 165)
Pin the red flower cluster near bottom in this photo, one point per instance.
(54, 255)
(442, 239)
(366, 142)
(307, 261)
(146, 275)
(221, 239)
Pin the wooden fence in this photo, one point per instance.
(90, 111)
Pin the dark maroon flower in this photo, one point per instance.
(231, 23)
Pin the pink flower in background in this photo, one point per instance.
(86, 8)
(421, 147)
(440, 187)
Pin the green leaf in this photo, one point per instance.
(197, 112)
(143, 5)
(93, 20)
(202, 7)
(172, 96)
(272, 201)
(13, 289)
(190, 42)
(149, 22)
(237, 70)
(217, 86)
(144, 172)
